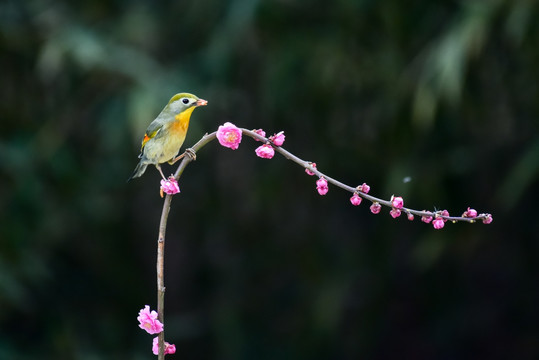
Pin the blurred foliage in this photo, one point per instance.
(258, 265)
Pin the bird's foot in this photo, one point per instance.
(191, 153)
(188, 152)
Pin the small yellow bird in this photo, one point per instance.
(166, 134)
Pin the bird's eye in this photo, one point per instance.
(185, 101)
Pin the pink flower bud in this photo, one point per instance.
(170, 186)
(322, 186)
(309, 172)
(169, 348)
(260, 132)
(470, 213)
(278, 139)
(365, 188)
(395, 213)
(488, 219)
(355, 199)
(445, 213)
(438, 223)
(410, 216)
(426, 219)
(397, 202)
(229, 136)
(265, 151)
(376, 207)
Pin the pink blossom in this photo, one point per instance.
(169, 348)
(397, 202)
(355, 199)
(438, 223)
(309, 172)
(322, 186)
(169, 186)
(445, 213)
(260, 132)
(426, 218)
(410, 216)
(148, 321)
(278, 139)
(364, 188)
(470, 213)
(488, 219)
(376, 207)
(265, 151)
(395, 213)
(229, 136)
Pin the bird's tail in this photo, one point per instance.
(139, 170)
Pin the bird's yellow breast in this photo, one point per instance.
(178, 130)
(181, 123)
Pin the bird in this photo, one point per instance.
(165, 135)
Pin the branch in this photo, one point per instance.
(161, 272)
(308, 166)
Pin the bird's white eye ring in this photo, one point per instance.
(185, 101)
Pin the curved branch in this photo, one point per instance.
(308, 165)
(288, 155)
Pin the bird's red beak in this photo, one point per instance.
(202, 102)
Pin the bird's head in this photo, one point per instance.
(183, 101)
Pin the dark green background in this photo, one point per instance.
(258, 265)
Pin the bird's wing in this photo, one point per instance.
(151, 132)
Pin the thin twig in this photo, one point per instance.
(308, 165)
(161, 272)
